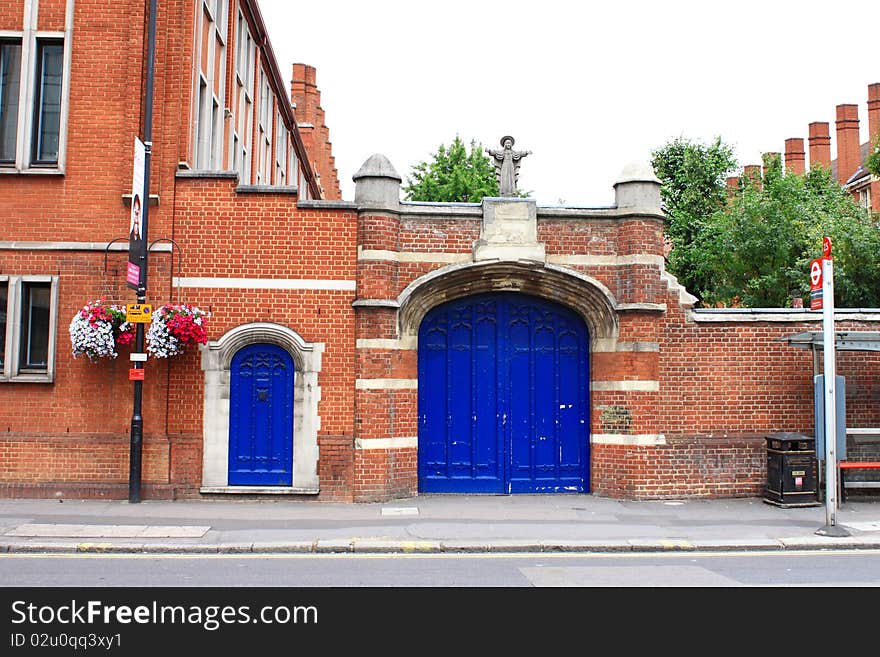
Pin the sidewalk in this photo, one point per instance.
(428, 523)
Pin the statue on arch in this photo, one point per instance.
(507, 163)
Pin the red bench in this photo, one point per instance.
(853, 465)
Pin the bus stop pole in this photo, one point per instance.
(831, 527)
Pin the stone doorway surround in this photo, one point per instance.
(216, 362)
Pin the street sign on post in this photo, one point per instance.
(816, 292)
(831, 527)
(138, 313)
(826, 247)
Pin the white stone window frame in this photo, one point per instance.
(10, 371)
(29, 38)
(216, 363)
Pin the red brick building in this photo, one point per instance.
(235, 198)
(357, 350)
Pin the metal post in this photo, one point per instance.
(137, 419)
(831, 527)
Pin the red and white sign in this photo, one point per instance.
(133, 274)
(816, 284)
(816, 274)
(826, 247)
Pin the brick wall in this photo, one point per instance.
(679, 405)
(70, 437)
(721, 387)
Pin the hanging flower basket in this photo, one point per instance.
(175, 327)
(98, 329)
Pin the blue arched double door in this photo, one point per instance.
(261, 417)
(503, 400)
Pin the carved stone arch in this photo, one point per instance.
(241, 336)
(216, 362)
(583, 294)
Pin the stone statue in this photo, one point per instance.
(507, 166)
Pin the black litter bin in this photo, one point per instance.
(792, 471)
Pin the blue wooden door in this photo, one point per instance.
(261, 417)
(503, 397)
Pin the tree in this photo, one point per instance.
(693, 177)
(454, 175)
(756, 250)
(752, 245)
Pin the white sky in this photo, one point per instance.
(587, 87)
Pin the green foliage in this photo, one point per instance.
(756, 250)
(693, 188)
(752, 246)
(454, 175)
(872, 162)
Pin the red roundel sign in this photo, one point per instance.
(816, 274)
(816, 284)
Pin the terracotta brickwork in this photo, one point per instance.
(313, 128)
(680, 400)
(681, 403)
(70, 436)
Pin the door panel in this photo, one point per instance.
(503, 397)
(261, 417)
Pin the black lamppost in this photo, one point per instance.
(137, 419)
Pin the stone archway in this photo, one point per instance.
(217, 359)
(583, 294)
(578, 295)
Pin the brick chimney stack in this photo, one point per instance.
(795, 156)
(848, 146)
(874, 135)
(303, 93)
(820, 145)
(768, 159)
(753, 172)
(733, 183)
(874, 111)
(313, 130)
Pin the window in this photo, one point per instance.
(245, 53)
(34, 352)
(210, 87)
(47, 103)
(303, 190)
(264, 128)
(32, 99)
(4, 303)
(10, 83)
(282, 144)
(28, 306)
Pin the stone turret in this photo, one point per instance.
(637, 187)
(377, 184)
